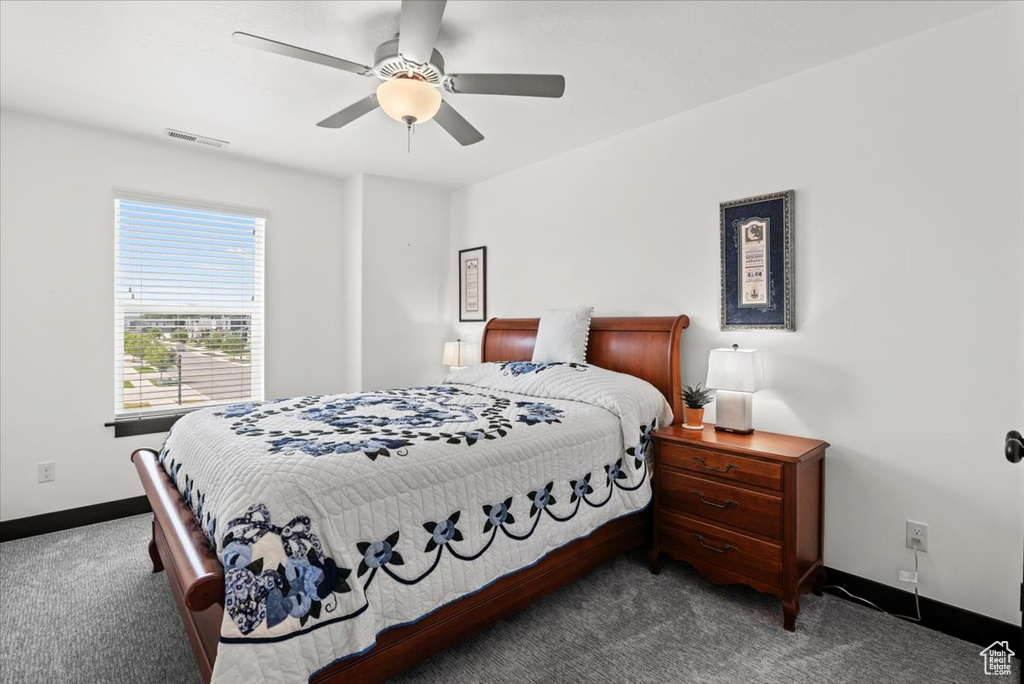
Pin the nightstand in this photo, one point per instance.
(742, 509)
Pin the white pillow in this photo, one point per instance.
(562, 335)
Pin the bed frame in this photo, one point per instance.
(647, 347)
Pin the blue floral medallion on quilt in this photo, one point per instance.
(339, 516)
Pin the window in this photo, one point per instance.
(188, 308)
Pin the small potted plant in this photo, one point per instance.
(695, 398)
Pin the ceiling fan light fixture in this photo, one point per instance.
(412, 72)
(408, 100)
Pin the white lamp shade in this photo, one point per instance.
(408, 97)
(737, 370)
(452, 354)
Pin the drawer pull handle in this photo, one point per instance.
(704, 463)
(700, 538)
(728, 502)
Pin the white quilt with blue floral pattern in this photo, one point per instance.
(337, 517)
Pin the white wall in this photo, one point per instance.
(56, 295)
(405, 251)
(353, 278)
(396, 245)
(907, 165)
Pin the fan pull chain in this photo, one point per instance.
(409, 121)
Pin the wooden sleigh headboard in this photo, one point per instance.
(644, 346)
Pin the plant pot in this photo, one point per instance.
(694, 417)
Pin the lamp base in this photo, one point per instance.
(734, 411)
(719, 428)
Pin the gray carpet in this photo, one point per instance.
(82, 606)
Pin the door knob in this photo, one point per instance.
(1014, 446)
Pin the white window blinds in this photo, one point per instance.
(188, 309)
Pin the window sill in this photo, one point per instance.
(129, 427)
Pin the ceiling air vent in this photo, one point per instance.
(193, 138)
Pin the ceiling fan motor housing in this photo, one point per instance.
(388, 64)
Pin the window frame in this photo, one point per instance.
(156, 421)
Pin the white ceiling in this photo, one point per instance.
(139, 67)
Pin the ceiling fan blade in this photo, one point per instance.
(350, 113)
(457, 127)
(420, 22)
(529, 85)
(268, 45)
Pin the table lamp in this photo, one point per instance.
(736, 374)
(452, 354)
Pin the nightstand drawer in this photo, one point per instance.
(685, 537)
(724, 465)
(721, 502)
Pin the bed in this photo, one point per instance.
(518, 570)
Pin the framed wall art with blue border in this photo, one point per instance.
(757, 263)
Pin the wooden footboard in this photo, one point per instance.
(194, 574)
(196, 579)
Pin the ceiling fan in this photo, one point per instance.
(412, 73)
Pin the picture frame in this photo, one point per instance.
(757, 279)
(473, 284)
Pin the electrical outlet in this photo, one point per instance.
(47, 471)
(919, 532)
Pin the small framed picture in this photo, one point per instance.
(473, 284)
(757, 263)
